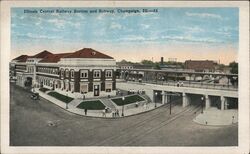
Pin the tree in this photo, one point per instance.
(157, 66)
(234, 67)
(147, 62)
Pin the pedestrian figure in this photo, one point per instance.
(85, 111)
(178, 84)
(145, 106)
(113, 113)
(136, 104)
(181, 84)
(117, 113)
(104, 112)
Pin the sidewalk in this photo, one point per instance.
(95, 113)
(216, 117)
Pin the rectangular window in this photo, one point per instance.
(108, 73)
(97, 74)
(84, 74)
(83, 88)
(108, 87)
(72, 87)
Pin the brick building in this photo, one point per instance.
(200, 65)
(85, 71)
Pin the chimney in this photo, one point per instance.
(161, 60)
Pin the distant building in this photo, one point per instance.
(124, 67)
(200, 65)
(85, 71)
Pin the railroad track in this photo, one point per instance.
(162, 124)
(130, 131)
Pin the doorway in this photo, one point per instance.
(96, 90)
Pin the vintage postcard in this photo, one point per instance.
(125, 77)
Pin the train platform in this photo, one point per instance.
(215, 117)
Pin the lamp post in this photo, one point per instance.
(170, 106)
(202, 99)
(170, 101)
(67, 100)
(123, 98)
(155, 98)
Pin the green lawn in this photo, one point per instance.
(65, 99)
(44, 89)
(91, 105)
(128, 100)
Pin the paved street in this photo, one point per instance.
(41, 123)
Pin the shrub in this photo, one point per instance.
(91, 105)
(44, 89)
(127, 100)
(63, 98)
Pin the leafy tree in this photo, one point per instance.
(157, 66)
(234, 67)
(147, 62)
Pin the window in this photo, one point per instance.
(62, 73)
(72, 87)
(67, 86)
(108, 87)
(97, 74)
(83, 88)
(84, 74)
(72, 73)
(67, 73)
(108, 73)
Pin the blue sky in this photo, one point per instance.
(169, 32)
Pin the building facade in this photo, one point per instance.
(84, 72)
(200, 65)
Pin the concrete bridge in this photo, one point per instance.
(162, 93)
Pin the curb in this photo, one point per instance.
(100, 116)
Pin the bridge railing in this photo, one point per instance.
(192, 84)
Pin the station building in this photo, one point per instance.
(84, 72)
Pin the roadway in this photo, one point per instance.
(41, 123)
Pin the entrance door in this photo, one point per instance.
(28, 82)
(96, 90)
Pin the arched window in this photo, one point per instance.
(72, 73)
(67, 73)
(62, 72)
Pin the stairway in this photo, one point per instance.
(146, 97)
(107, 102)
(75, 102)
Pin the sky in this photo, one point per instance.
(182, 33)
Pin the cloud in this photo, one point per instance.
(194, 29)
(36, 36)
(115, 25)
(144, 26)
(204, 15)
(138, 38)
(58, 22)
(191, 39)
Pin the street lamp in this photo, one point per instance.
(67, 100)
(202, 99)
(170, 101)
(155, 98)
(123, 98)
(170, 106)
